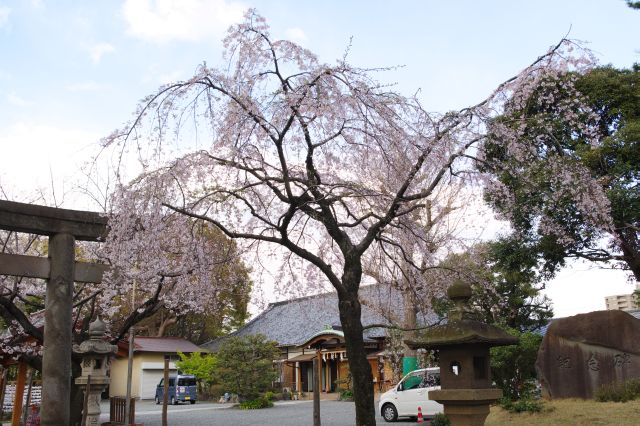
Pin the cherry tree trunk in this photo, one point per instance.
(350, 310)
(629, 246)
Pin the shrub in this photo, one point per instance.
(245, 365)
(619, 392)
(513, 367)
(216, 391)
(344, 383)
(440, 420)
(346, 395)
(270, 396)
(256, 404)
(528, 405)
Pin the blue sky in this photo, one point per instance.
(72, 71)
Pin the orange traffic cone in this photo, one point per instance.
(419, 415)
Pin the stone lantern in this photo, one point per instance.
(465, 375)
(95, 354)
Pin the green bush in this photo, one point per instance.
(619, 392)
(528, 405)
(344, 383)
(513, 367)
(216, 391)
(346, 395)
(270, 396)
(256, 404)
(440, 420)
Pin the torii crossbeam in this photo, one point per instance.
(63, 227)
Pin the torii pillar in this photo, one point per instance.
(63, 227)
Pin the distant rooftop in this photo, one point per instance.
(160, 344)
(293, 322)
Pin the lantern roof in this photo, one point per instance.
(461, 328)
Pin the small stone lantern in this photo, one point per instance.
(95, 354)
(465, 375)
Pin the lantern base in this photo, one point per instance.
(466, 407)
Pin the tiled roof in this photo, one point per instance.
(293, 322)
(164, 344)
(635, 313)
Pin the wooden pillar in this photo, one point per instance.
(327, 374)
(17, 400)
(165, 391)
(298, 378)
(317, 370)
(3, 384)
(56, 359)
(27, 403)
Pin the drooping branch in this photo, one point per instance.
(11, 312)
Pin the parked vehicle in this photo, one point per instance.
(182, 388)
(412, 392)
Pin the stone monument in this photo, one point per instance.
(95, 354)
(465, 374)
(581, 353)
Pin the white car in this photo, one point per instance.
(412, 392)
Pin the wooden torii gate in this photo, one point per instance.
(60, 269)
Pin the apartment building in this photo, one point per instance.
(622, 302)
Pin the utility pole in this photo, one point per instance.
(317, 371)
(127, 406)
(165, 393)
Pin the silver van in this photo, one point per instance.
(182, 388)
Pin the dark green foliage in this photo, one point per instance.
(613, 163)
(513, 367)
(256, 404)
(439, 420)
(245, 365)
(633, 4)
(270, 396)
(346, 395)
(506, 280)
(202, 366)
(216, 391)
(619, 392)
(524, 405)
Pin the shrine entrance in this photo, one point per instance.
(60, 269)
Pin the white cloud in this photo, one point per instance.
(33, 154)
(97, 51)
(4, 15)
(16, 100)
(37, 4)
(296, 35)
(187, 20)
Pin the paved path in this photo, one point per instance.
(286, 413)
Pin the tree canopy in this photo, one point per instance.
(245, 365)
(569, 182)
(320, 163)
(202, 366)
(506, 281)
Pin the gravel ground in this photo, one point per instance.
(289, 413)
